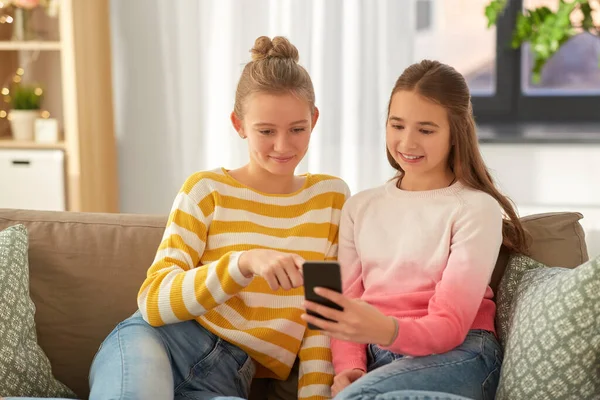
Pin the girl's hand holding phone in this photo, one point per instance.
(359, 321)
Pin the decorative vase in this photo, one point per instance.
(22, 124)
(22, 29)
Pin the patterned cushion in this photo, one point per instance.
(548, 319)
(516, 267)
(24, 368)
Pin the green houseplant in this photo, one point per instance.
(25, 103)
(547, 30)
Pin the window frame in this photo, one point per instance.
(510, 104)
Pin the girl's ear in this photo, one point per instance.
(315, 118)
(237, 125)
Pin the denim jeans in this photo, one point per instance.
(470, 371)
(178, 361)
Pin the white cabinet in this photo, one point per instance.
(32, 179)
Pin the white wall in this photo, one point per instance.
(550, 178)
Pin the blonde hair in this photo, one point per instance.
(274, 69)
(443, 85)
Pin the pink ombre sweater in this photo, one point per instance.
(423, 257)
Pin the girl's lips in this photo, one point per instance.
(282, 159)
(410, 160)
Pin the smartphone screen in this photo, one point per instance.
(324, 274)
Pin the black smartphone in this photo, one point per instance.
(325, 274)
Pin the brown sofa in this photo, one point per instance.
(86, 269)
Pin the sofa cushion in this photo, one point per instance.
(549, 321)
(24, 368)
(86, 270)
(556, 240)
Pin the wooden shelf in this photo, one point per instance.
(74, 67)
(9, 143)
(9, 45)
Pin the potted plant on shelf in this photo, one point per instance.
(25, 102)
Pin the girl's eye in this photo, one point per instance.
(265, 131)
(398, 127)
(298, 130)
(426, 131)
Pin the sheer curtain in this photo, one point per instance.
(176, 66)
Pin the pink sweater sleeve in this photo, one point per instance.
(476, 240)
(349, 355)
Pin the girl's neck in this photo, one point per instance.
(262, 180)
(411, 182)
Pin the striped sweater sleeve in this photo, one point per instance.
(315, 376)
(316, 369)
(332, 252)
(176, 287)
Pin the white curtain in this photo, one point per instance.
(176, 66)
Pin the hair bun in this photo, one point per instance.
(279, 47)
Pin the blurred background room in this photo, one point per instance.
(107, 106)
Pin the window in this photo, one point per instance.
(499, 77)
(573, 71)
(569, 89)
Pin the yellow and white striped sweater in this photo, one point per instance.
(195, 274)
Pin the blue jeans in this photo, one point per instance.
(470, 371)
(178, 361)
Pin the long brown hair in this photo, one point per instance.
(445, 86)
(274, 69)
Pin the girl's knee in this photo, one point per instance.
(355, 392)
